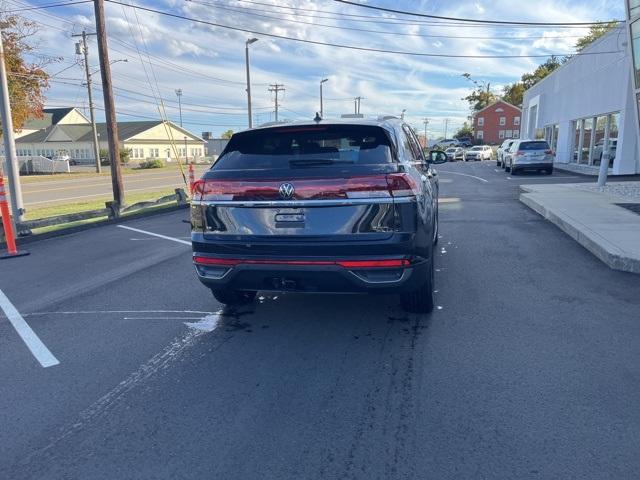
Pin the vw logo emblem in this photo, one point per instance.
(286, 190)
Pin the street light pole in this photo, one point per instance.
(321, 109)
(246, 57)
(179, 95)
(92, 115)
(11, 159)
(402, 114)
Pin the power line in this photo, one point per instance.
(51, 5)
(376, 19)
(366, 30)
(350, 47)
(472, 20)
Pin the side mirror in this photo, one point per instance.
(437, 157)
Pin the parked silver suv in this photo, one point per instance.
(501, 149)
(529, 155)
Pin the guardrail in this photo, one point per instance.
(110, 211)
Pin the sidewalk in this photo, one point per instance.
(591, 217)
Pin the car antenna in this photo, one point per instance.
(317, 118)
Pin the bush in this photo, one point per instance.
(155, 163)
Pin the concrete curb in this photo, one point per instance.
(595, 243)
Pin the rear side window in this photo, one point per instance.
(306, 147)
(534, 146)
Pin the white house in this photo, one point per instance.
(143, 139)
(572, 107)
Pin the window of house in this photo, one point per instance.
(480, 135)
(503, 121)
(508, 133)
(516, 120)
(501, 134)
(516, 134)
(481, 121)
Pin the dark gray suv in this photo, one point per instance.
(323, 206)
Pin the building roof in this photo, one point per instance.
(495, 103)
(50, 116)
(81, 132)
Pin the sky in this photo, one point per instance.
(207, 63)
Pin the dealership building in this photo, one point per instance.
(587, 101)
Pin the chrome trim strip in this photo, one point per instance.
(304, 203)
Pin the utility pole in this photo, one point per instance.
(82, 48)
(179, 95)
(356, 104)
(426, 124)
(446, 125)
(246, 52)
(11, 159)
(109, 106)
(321, 109)
(276, 87)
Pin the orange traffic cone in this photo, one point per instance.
(9, 235)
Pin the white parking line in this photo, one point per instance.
(172, 239)
(29, 337)
(464, 175)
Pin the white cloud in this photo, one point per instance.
(207, 62)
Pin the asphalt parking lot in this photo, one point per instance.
(529, 367)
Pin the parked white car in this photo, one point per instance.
(501, 149)
(479, 152)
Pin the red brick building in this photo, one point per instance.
(497, 122)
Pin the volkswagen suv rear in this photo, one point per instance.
(341, 207)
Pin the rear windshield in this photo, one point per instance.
(307, 148)
(475, 149)
(451, 150)
(533, 146)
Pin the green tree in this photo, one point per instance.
(481, 96)
(595, 32)
(227, 134)
(514, 92)
(464, 131)
(27, 81)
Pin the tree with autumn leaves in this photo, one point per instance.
(27, 81)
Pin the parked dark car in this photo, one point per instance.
(328, 206)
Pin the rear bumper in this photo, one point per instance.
(313, 278)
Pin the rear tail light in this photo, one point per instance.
(549, 152)
(519, 153)
(370, 186)
(350, 264)
(402, 185)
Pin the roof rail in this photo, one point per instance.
(387, 117)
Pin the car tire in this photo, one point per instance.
(234, 297)
(507, 168)
(549, 171)
(514, 172)
(420, 300)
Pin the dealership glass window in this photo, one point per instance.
(481, 121)
(516, 121)
(634, 8)
(586, 140)
(635, 38)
